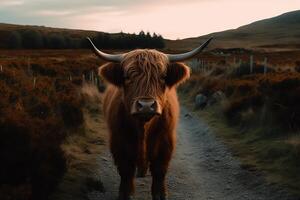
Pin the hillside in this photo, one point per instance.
(280, 32)
(7, 29)
(41, 37)
(74, 32)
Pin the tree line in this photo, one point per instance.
(33, 39)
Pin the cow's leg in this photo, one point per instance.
(126, 170)
(142, 159)
(125, 160)
(158, 167)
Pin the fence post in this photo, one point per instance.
(1, 68)
(83, 78)
(92, 77)
(54, 83)
(34, 82)
(29, 71)
(251, 64)
(240, 62)
(265, 65)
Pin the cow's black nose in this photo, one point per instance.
(146, 105)
(145, 108)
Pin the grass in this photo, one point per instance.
(258, 120)
(40, 107)
(82, 151)
(277, 157)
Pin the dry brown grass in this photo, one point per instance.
(39, 107)
(261, 116)
(82, 150)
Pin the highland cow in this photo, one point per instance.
(141, 109)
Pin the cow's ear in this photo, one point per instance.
(177, 73)
(112, 73)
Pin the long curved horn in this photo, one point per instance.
(105, 56)
(187, 55)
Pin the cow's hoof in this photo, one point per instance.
(159, 197)
(124, 198)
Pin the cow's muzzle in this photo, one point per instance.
(145, 108)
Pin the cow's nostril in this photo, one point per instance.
(153, 105)
(139, 105)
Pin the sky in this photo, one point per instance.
(173, 19)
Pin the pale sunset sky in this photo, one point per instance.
(173, 19)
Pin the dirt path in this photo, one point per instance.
(202, 168)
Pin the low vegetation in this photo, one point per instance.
(40, 106)
(259, 118)
(82, 150)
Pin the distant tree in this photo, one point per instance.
(155, 39)
(84, 44)
(132, 41)
(74, 43)
(103, 40)
(107, 40)
(15, 40)
(57, 41)
(148, 41)
(141, 40)
(124, 41)
(68, 42)
(46, 41)
(32, 39)
(160, 42)
(99, 40)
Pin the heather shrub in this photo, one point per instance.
(38, 111)
(297, 66)
(43, 70)
(217, 70)
(70, 111)
(244, 69)
(277, 92)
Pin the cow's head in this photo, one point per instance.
(145, 77)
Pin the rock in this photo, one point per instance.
(200, 101)
(188, 115)
(105, 159)
(217, 97)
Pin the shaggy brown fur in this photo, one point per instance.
(142, 73)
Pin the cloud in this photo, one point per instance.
(171, 18)
(8, 3)
(53, 13)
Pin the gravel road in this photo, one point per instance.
(202, 168)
